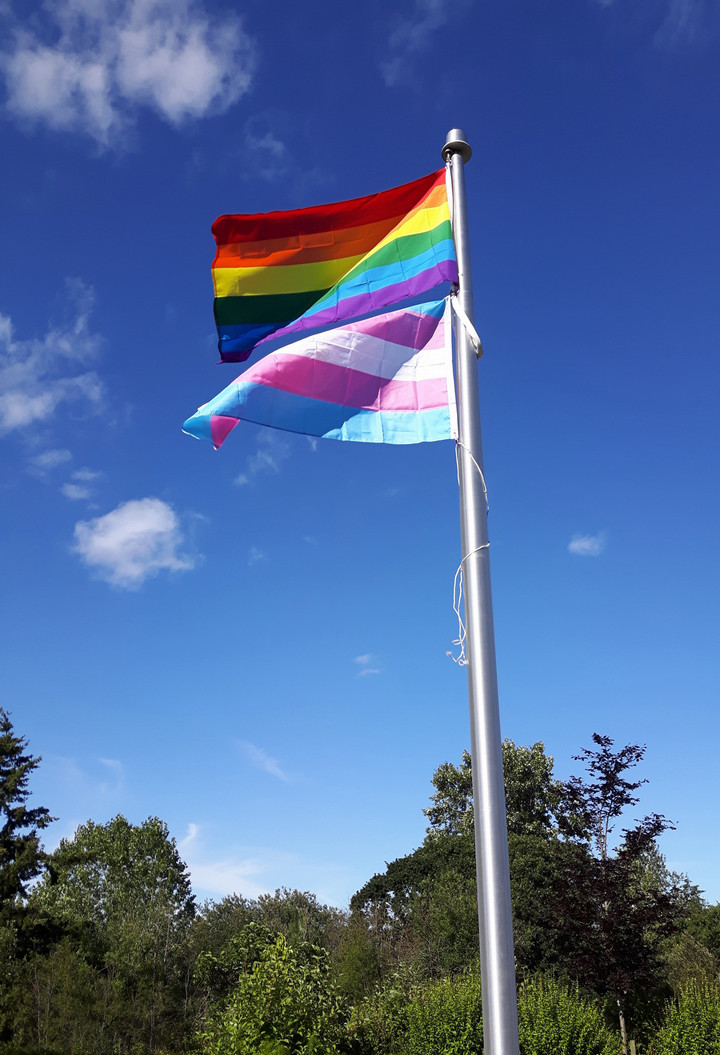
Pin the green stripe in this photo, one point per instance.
(276, 307)
(406, 248)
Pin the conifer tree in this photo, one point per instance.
(21, 858)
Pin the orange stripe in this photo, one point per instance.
(351, 241)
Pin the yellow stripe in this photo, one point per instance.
(424, 220)
(288, 278)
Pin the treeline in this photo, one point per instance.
(103, 950)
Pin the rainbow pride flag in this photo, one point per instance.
(387, 379)
(281, 273)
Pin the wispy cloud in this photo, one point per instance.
(89, 67)
(413, 35)
(49, 459)
(260, 759)
(256, 556)
(587, 545)
(272, 451)
(364, 662)
(132, 543)
(686, 22)
(39, 374)
(680, 23)
(270, 156)
(116, 768)
(79, 486)
(220, 875)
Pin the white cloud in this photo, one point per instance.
(684, 23)
(39, 374)
(76, 492)
(85, 475)
(117, 770)
(89, 65)
(79, 486)
(132, 543)
(587, 545)
(49, 459)
(364, 662)
(271, 451)
(262, 760)
(413, 35)
(256, 556)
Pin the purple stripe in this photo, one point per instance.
(352, 307)
(330, 383)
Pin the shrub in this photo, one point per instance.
(286, 1005)
(445, 1018)
(555, 1020)
(692, 1023)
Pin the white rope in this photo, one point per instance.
(459, 641)
(471, 456)
(469, 328)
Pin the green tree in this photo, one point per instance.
(532, 796)
(122, 896)
(21, 857)
(21, 861)
(409, 908)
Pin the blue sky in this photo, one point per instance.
(252, 644)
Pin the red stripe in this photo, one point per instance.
(319, 219)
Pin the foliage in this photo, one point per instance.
(378, 1024)
(532, 795)
(687, 961)
(21, 859)
(216, 974)
(445, 1018)
(692, 1023)
(613, 915)
(555, 1020)
(286, 1003)
(121, 897)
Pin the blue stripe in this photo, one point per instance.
(313, 417)
(378, 277)
(242, 337)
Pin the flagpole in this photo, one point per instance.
(497, 958)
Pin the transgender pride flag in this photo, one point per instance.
(387, 379)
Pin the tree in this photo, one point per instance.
(21, 858)
(532, 795)
(410, 909)
(612, 915)
(122, 896)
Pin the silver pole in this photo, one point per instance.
(497, 959)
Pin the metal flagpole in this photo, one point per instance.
(497, 960)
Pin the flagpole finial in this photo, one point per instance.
(456, 143)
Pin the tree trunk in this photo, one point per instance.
(623, 1027)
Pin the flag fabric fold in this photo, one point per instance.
(284, 273)
(387, 379)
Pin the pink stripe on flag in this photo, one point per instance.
(331, 383)
(407, 328)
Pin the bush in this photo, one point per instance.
(554, 1020)
(286, 1005)
(445, 1018)
(692, 1023)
